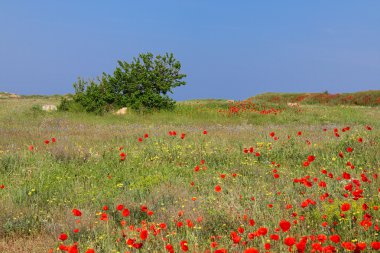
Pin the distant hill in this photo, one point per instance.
(8, 95)
(363, 98)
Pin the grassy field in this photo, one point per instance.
(209, 177)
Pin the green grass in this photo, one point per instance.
(83, 170)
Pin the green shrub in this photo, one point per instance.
(142, 85)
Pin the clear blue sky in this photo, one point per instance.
(228, 49)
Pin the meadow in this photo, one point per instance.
(211, 176)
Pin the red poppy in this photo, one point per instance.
(144, 235)
(53, 140)
(125, 212)
(63, 237)
(218, 188)
(274, 237)
(169, 248)
(122, 156)
(284, 225)
(311, 158)
(289, 241)
(349, 149)
(90, 251)
(46, 141)
(375, 245)
(137, 245)
(335, 238)
(31, 147)
(205, 132)
(348, 245)
(76, 212)
(262, 231)
(251, 250)
(104, 217)
(184, 245)
(345, 207)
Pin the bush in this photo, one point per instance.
(142, 85)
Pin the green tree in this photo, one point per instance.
(143, 84)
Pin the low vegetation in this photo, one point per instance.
(208, 176)
(365, 98)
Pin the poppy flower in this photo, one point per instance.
(76, 212)
(311, 158)
(63, 237)
(205, 132)
(348, 245)
(137, 245)
(90, 251)
(169, 248)
(375, 245)
(53, 140)
(143, 208)
(251, 250)
(125, 212)
(46, 142)
(345, 207)
(274, 237)
(289, 241)
(2, 186)
(104, 217)
(284, 225)
(122, 156)
(262, 231)
(31, 147)
(335, 238)
(144, 235)
(218, 188)
(184, 246)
